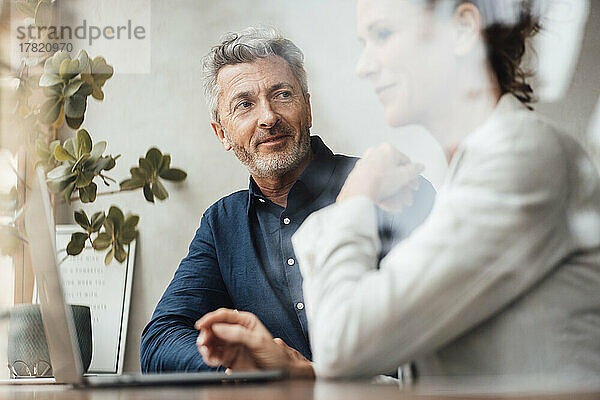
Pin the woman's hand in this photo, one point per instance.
(385, 175)
(239, 341)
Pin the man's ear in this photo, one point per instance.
(308, 110)
(220, 133)
(467, 28)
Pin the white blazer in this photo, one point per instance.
(503, 278)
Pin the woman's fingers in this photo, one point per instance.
(386, 153)
(394, 181)
(383, 174)
(414, 184)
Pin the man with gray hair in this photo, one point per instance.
(241, 256)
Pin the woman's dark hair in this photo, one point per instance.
(505, 40)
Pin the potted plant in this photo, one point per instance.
(76, 165)
(51, 94)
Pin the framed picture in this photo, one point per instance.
(106, 290)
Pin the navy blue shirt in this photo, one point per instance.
(242, 257)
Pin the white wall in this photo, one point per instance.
(166, 108)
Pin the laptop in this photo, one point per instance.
(58, 321)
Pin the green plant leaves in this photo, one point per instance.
(153, 157)
(82, 219)
(77, 243)
(98, 74)
(84, 179)
(159, 191)
(72, 88)
(87, 194)
(84, 142)
(97, 220)
(51, 80)
(51, 109)
(103, 240)
(109, 256)
(71, 82)
(45, 152)
(173, 174)
(69, 69)
(61, 154)
(120, 254)
(128, 229)
(80, 162)
(119, 231)
(75, 106)
(148, 193)
(97, 150)
(152, 168)
(132, 184)
(115, 215)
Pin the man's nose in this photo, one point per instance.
(267, 117)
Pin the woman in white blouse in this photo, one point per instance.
(503, 278)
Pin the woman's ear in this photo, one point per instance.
(467, 28)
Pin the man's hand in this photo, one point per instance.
(385, 175)
(239, 341)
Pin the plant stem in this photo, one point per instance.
(107, 178)
(76, 198)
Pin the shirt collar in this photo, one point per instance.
(507, 105)
(318, 173)
(313, 179)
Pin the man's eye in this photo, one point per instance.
(285, 95)
(244, 105)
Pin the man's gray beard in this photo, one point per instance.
(276, 164)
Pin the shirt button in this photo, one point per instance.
(291, 261)
(261, 200)
(299, 306)
(286, 221)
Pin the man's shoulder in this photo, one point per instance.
(344, 159)
(344, 164)
(234, 204)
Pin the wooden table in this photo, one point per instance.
(287, 390)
